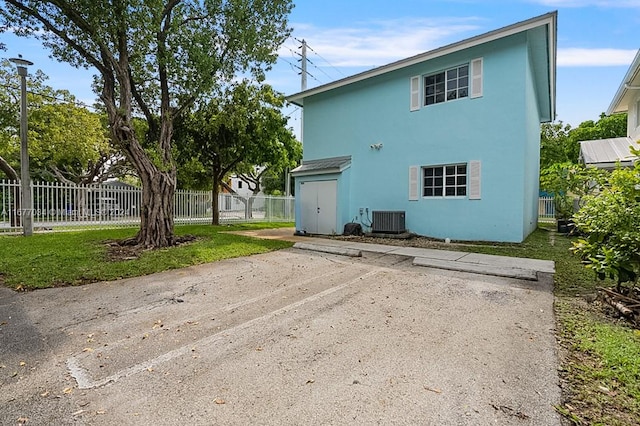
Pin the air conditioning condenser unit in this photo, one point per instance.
(390, 222)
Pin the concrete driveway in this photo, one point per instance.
(285, 338)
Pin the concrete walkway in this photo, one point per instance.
(501, 266)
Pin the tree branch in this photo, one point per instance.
(8, 170)
(62, 34)
(139, 100)
(61, 176)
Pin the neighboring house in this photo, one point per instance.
(605, 153)
(450, 137)
(608, 153)
(627, 99)
(241, 187)
(242, 192)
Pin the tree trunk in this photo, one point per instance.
(250, 207)
(158, 178)
(215, 202)
(156, 211)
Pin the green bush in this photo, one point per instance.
(569, 181)
(610, 221)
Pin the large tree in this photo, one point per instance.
(235, 134)
(554, 143)
(10, 113)
(156, 58)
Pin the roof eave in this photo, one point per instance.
(546, 19)
(553, 57)
(633, 72)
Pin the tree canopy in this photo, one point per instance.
(155, 58)
(560, 143)
(66, 141)
(236, 133)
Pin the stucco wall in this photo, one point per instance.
(496, 129)
(531, 190)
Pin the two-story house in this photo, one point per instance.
(627, 99)
(450, 138)
(613, 152)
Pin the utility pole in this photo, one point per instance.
(304, 66)
(303, 87)
(25, 179)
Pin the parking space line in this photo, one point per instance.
(85, 381)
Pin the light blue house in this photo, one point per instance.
(444, 144)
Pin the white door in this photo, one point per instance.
(319, 206)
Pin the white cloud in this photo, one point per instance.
(380, 42)
(576, 57)
(588, 3)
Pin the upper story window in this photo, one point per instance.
(446, 85)
(462, 81)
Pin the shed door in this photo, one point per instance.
(319, 206)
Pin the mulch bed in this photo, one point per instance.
(121, 250)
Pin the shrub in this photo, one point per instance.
(610, 221)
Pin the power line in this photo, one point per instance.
(319, 69)
(298, 69)
(321, 57)
(297, 108)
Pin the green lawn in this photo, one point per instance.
(72, 258)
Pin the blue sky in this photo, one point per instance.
(597, 40)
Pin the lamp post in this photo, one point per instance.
(25, 179)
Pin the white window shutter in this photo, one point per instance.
(414, 177)
(415, 93)
(474, 180)
(476, 78)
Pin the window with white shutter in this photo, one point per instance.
(475, 172)
(415, 93)
(476, 78)
(414, 178)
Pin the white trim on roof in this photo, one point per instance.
(549, 19)
(630, 76)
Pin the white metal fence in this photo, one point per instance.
(61, 206)
(546, 210)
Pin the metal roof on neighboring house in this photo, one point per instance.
(605, 153)
(323, 166)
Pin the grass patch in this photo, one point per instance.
(601, 367)
(73, 258)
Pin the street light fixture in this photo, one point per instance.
(25, 179)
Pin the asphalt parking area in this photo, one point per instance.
(290, 337)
